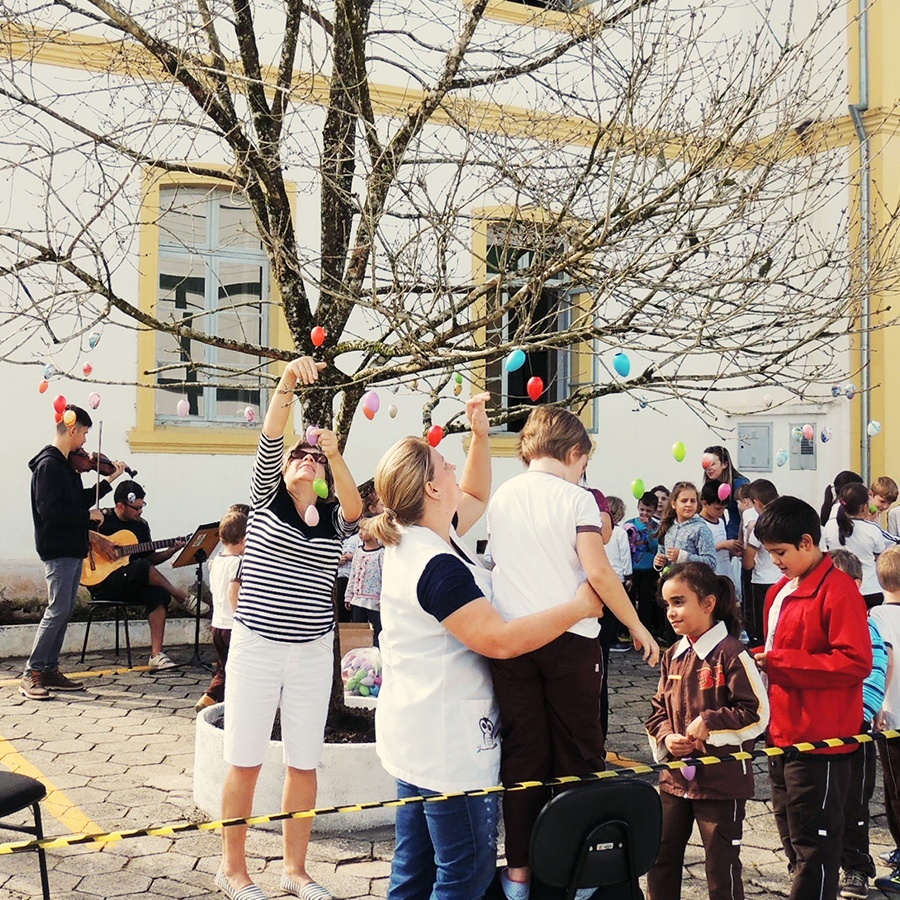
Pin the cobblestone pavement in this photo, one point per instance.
(121, 755)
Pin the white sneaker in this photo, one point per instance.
(160, 662)
(190, 605)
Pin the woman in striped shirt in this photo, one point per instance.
(282, 642)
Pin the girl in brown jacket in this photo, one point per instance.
(711, 701)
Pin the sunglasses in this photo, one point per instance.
(302, 452)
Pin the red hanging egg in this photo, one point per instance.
(42, 386)
(535, 387)
(435, 435)
(87, 368)
(59, 404)
(368, 413)
(317, 336)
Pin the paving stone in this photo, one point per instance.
(115, 884)
(373, 868)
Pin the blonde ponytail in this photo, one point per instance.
(400, 483)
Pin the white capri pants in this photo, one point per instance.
(263, 674)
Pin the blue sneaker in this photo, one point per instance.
(889, 884)
(890, 858)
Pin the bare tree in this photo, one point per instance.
(666, 179)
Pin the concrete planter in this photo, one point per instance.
(348, 774)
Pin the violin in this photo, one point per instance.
(82, 461)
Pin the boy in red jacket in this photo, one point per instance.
(816, 655)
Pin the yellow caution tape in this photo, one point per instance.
(174, 828)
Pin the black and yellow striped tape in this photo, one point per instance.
(110, 837)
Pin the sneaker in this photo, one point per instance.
(160, 662)
(889, 884)
(854, 885)
(890, 857)
(30, 686)
(204, 702)
(620, 648)
(189, 604)
(56, 681)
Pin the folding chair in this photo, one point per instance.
(603, 834)
(18, 792)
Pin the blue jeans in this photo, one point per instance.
(63, 576)
(445, 850)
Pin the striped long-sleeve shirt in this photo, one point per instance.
(288, 568)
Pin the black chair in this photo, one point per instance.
(603, 834)
(18, 792)
(120, 607)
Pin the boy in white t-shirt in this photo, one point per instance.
(712, 511)
(764, 573)
(545, 540)
(887, 618)
(224, 583)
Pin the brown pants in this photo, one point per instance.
(720, 823)
(221, 638)
(808, 797)
(550, 726)
(890, 767)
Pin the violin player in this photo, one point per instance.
(60, 508)
(139, 581)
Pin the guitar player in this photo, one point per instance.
(140, 581)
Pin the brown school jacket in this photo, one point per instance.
(715, 678)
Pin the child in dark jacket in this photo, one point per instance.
(711, 701)
(817, 653)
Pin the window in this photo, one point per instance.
(506, 241)
(213, 275)
(201, 262)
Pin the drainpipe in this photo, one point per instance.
(865, 214)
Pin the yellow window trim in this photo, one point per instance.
(582, 353)
(148, 436)
(567, 21)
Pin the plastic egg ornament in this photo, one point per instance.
(724, 492)
(826, 434)
(59, 404)
(50, 371)
(372, 401)
(87, 368)
(873, 428)
(392, 411)
(435, 435)
(317, 336)
(622, 364)
(320, 486)
(93, 340)
(458, 378)
(679, 451)
(93, 400)
(311, 516)
(796, 433)
(43, 384)
(707, 460)
(637, 488)
(808, 432)
(312, 435)
(836, 390)
(535, 388)
(514, 361)
(781, 457)
(183, 407)
(250, 414)
(368, 413)
(850, 390)
(69, 418)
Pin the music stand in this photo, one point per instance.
(197, 551)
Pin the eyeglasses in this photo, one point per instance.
(302, 452)
(136, 508)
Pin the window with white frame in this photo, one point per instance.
(547, 314)
(214, 277)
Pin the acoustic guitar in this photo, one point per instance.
(96, 568)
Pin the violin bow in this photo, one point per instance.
(99, 448)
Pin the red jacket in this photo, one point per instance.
(821, 654)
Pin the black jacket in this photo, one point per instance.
(60, 505)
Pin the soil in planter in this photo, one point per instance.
(348, 726)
